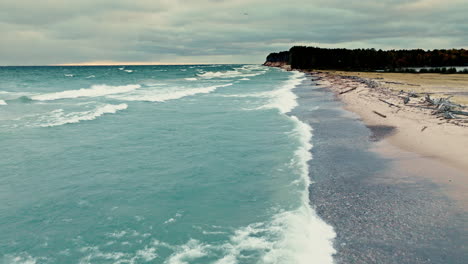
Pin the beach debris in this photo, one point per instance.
(407, 96)
(349, 90)
(390, 104)
(424, 128)
(444, 107)
(377, 113)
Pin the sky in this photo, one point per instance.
(50, 32)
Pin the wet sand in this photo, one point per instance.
(387, 205)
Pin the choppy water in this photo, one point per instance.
(155, 164)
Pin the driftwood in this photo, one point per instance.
(402, 83)
(408, 96)
(377, 113)
(460, 113)
(424, 128)
(390, 104)
(444, 107)
(349, 90)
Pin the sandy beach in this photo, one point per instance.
(387, 204)
(441, 143)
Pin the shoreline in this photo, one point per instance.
(415, 129)
(382, 201)
(410, 126)
(434, 144)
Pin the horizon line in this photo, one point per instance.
(112, 63)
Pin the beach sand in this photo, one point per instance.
(411, 127)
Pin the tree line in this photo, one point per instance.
(300, 57)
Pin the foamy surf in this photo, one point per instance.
(2, 102)
(59, 117)
(162, 95)
(304, 237)
(297, 236)
(94, 91)
(236, 73)
(283, 98)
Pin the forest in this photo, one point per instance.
(300, 57)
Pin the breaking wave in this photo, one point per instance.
(162, 95)
(242, 72)
(94, 91)
(284, 99)
(59, 117)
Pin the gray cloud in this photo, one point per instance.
(236, 31)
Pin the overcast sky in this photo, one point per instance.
(40, 32)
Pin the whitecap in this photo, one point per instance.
(147, 254)
(184, 254)
(90, 76)
(58, 117)
(94, 91)
(162, 95)
(117, 234)
(69, 75)
(191, 79)
(229, 74)
(23, 258)
(2, 102)
(170, 220)
(129, 71)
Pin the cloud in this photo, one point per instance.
(203, 31)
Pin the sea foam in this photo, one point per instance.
(283, 98)
(162, 95)
(58, 117)
(2, 102)
(236, 73)
(94, 91)
(297, 236)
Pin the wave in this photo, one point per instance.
(23, 99)
(192, 250)
(284, 99)
(94, 91)
(129, 71)
(58, 117)
(90, 76)
(295, 236)
(69, 75)
(2, 102)
(239, 72)
(23, 258)
(191, 79)
(160, 95)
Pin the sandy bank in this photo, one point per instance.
(410, 127)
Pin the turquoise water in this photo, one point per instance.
(155, 164)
